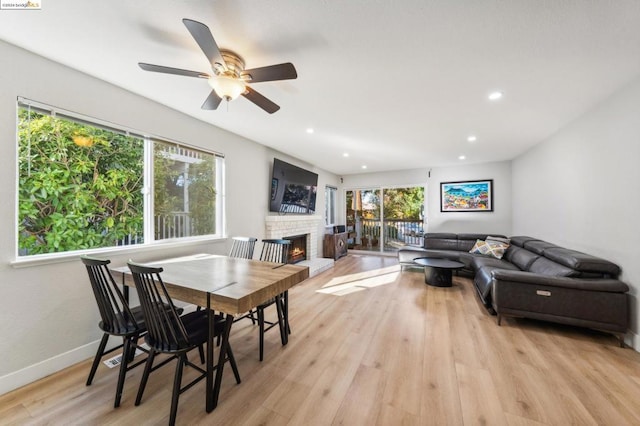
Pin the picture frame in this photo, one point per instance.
(467, 196)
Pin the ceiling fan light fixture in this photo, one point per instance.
(227, 87)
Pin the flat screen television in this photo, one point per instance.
(293, 189)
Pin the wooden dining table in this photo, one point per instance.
(229, 285)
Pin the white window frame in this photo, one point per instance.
(148, 210)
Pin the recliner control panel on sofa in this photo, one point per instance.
(537, 279)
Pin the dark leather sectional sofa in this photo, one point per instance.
(537, 279)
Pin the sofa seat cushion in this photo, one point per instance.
(406, 255)
(441, 254)
(479, 262)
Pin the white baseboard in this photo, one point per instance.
(54, 364)
(47, 367)
(633, 341)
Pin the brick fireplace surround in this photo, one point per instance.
(281, 226)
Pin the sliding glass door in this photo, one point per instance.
(363, 219)
(385, 219)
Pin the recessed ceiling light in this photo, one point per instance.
(494, 96)
(462, 157)
(364, 167)
(472, 138)
(346, 154)
(309, 130)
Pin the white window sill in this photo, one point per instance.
(74, 256)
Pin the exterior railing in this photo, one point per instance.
(173, 225)
(395, 232)
(170, 225)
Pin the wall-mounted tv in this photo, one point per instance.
(293, 189)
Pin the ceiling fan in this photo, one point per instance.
(229, 79)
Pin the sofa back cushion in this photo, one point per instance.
(520, 240)
(544, 266)
(538, 246)
(520, 257)
(441, 241)
(582, 262)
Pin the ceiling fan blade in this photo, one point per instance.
(169, 70)
(204, 38)
(212, 101)
(284, 71)
(260, 100)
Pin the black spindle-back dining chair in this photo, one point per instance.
(277, 251)
(170, 333)
(118, 319)
(274, 250)
(243, 247)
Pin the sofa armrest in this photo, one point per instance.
(607, 285)
(406, 255)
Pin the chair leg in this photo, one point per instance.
(98, 357)
(261, 324)
(281, 322)
(132, 348)
(126, 350)
(232, 361)
(145, 375)
(286, 309)
(176, 389)
(201, 352)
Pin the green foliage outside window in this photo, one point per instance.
(79, 186)
(184, 182)
(404, 203)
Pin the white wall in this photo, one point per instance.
(496, 222)
(581, 188)
(48, 317)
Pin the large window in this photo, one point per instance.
(330, 205)
(83, 185)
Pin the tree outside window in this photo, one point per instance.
(81, 186)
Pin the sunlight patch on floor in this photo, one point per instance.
(351, 283)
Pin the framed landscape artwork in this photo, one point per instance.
(467, 196)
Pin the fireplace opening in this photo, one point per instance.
(298, 248)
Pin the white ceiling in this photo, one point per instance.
(396, 84)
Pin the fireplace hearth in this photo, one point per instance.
(298, 248)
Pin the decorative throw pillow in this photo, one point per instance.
(501, 239)
(490, 248)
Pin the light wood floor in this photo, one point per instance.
(379, 347)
